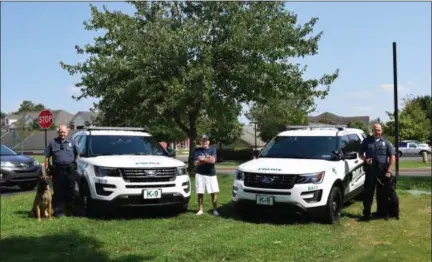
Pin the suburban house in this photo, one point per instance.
(83, 119)
(246, 140)
(14, 121)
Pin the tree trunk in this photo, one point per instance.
(192, 146)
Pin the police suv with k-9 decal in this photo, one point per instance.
(124, 166)
(307, 169)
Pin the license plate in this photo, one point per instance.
(265, 200)
(152, 193)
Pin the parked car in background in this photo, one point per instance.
(20, 170)
(416, 142)
(413, 149)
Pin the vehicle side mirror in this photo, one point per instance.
(170, 152)
(256, 153)
(350, 155)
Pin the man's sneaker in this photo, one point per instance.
(199, 213)
(215, 212)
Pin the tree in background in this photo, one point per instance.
(425, 103)
(3, 115)
(178, 63)
(359, 125)
(413, 122)
(29, 106)
(274, 115)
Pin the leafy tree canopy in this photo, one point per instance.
(179, 63)
(413, 122)
(274, 115)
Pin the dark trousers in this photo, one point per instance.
(369, 191)
(63, 177)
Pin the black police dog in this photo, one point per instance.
(388, 201)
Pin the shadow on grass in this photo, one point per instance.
(70, 246)
(259, 215)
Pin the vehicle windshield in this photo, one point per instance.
(6, 151)
(124, 145)
(303, 147)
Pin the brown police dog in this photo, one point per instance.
(42, 204)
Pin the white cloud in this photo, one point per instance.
(362, 109)
(359, 94)
(390, 87)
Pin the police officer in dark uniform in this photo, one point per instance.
(64, 153)
(379, 158)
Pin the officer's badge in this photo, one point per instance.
(70, 144)
(383, 143)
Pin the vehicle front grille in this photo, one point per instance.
(148, 174)
(22, 165)
(273, 181)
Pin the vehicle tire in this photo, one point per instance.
(87, 206)
(27, 186)
(333, 208)
(400, 154)
(421, 152)
(183, 207)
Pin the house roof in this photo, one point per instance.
(341, 120)
(61, 117)
(86, 115)
(248, 136)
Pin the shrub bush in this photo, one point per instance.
(234, 154)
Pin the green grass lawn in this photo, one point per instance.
(186, 237)
(414, 164)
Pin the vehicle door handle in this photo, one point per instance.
(356, 161)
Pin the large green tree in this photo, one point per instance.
(180, 62)
(274, 115)
(29, 106)
(413, 122)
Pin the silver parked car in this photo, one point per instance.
(407, 148)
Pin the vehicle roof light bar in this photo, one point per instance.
(311, 127)
(109, 128)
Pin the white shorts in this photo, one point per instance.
(206, 183)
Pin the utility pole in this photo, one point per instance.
(255, 129)
(396, 111)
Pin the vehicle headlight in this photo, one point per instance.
(181, 171)
(106, 171)
(239, 175)
(6, 164)
(36, 163)
(314, 178)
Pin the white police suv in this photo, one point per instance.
(309, 169)
(122, 166)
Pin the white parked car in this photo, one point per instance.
(127, 167)
(313, 170)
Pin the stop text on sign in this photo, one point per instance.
(45, 119)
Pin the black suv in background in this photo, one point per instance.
(20, 170)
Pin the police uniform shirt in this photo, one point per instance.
(62, 152)
(379, 149)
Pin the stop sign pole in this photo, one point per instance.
(45, 121)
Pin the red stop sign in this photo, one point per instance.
(45, 119)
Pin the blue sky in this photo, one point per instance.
(357, 40)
